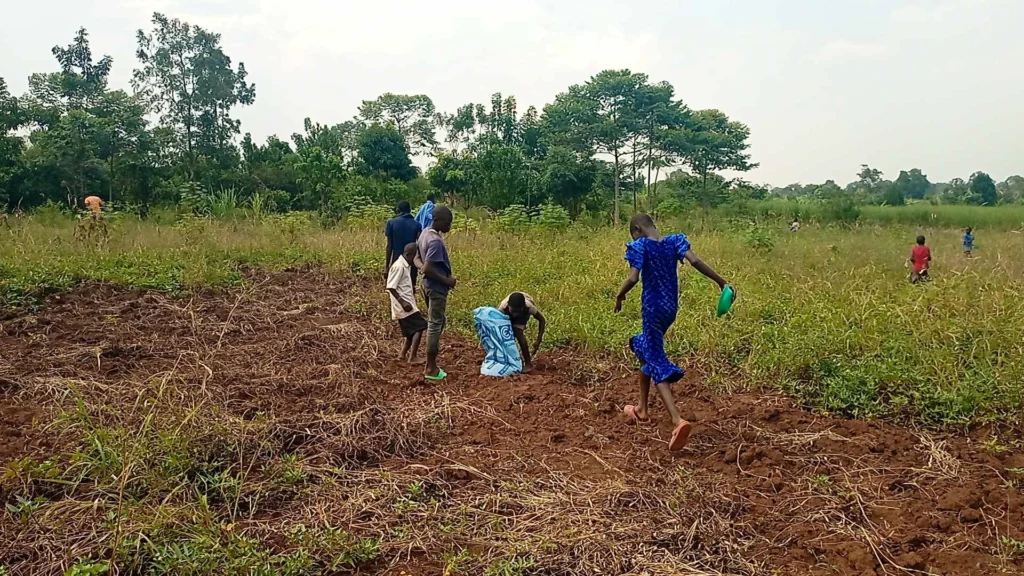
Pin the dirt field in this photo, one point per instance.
(543, 466)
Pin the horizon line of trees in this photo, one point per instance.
(615, 142)
(599, 144)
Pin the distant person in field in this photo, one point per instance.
(795, 226)
(94, 204)
(519, 307)
(921, 260)
(403, 303)
(969, 242)
(433, 261)
(401, 231)
(425, 215)
(653, 260)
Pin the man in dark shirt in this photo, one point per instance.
(400, 231)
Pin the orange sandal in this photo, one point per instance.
(680, 436)
(630, 411)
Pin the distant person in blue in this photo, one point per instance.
(425, 215)
(969, 242)
(653, 259)
(400, 231)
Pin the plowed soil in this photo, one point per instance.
(764, 487)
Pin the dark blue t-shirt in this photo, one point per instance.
(402, 229)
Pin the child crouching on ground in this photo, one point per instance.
(653, 259)
(403, 304)
(519, 307)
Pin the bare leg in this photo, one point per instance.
(414, 350)
(645, 394)
(665, 390)
(405, 349)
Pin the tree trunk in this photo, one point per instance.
(617, 169)
(635, 137)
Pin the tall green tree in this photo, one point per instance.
(868, 179)
(567, 178)
(600, 115)
(338, 140)
(189, 80)
(452, 174)
(413, 116)
(66, 157)
(984, 188)
(1011, 190)
(82, 81)
(717, 144)
(272, 167)
(503, 176)
(912, 184)
(383, 152)
(11, 145)
(459, 128)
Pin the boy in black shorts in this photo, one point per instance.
(403, 304)
(519, 307)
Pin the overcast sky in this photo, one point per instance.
(824, 85)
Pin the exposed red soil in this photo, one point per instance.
(811, 494)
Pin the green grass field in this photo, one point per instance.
(826, 314)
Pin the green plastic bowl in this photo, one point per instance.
(725, 302)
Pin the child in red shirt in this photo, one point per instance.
(921, 258)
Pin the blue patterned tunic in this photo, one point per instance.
(658, 265)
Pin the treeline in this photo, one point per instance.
(871, 187)
(173, 140)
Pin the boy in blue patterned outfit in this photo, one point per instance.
(653, 258)
(968, 242)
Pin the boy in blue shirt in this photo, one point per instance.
(968, 241)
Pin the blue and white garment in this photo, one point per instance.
(495, 332)
(425, 215)
(658, 264)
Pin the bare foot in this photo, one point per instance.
(527, 368)
(417, 361)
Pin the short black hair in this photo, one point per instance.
(517, 300)
(411, 246)
(431, 197)
(920, 240)
(641, 220)
(403, 207)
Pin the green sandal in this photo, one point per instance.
(441, 375)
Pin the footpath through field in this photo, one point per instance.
(288, 393)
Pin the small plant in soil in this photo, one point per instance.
(821, 482)
(515, 566)
(455, 564)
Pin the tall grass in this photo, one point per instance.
(920, 214)
(826, 314)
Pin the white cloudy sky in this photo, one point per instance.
(825, 85)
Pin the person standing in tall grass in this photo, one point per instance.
(654, 259)
(969, 242)
(433, 261)
(921, 260)
(400, 231)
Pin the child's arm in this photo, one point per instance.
(406, 305)
(542, 323)
(704, 269)
(629, 284)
